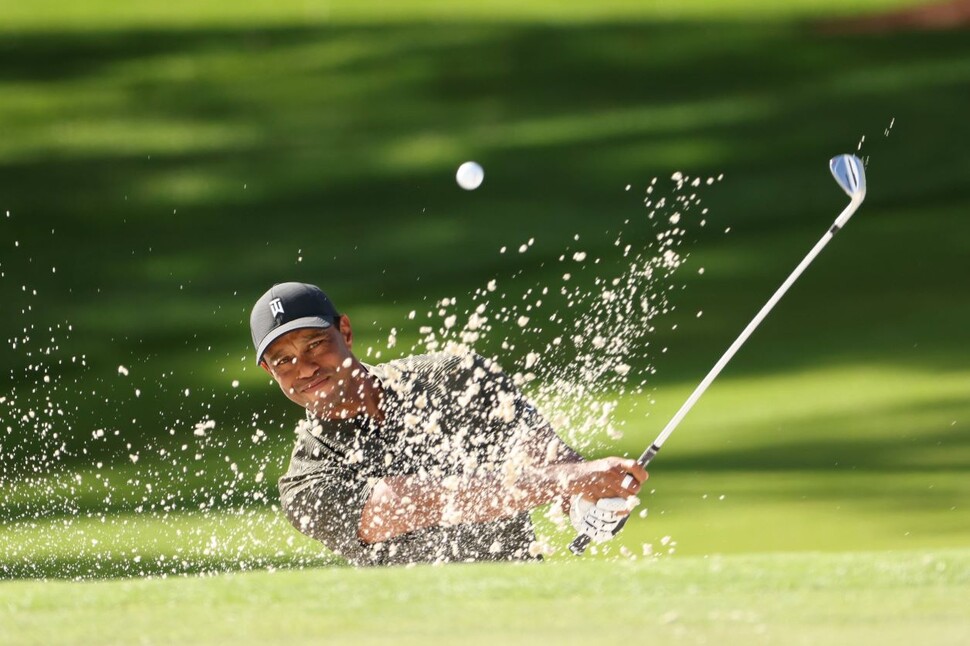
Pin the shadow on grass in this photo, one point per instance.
(810, 445)
(347, 127)
(81, 568)
(169, 177)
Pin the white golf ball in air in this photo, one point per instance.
(470, 176)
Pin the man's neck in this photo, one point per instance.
(373, 397)
(366, 403)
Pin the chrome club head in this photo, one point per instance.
(849, 172)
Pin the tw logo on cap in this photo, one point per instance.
(276, 307)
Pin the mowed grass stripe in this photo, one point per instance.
(873, 597)
(42, 15)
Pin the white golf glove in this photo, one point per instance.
(599, 519)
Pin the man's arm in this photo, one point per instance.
(544, 447)
(402, 504)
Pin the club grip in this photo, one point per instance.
(579, 544)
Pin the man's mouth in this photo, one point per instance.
(315, 384)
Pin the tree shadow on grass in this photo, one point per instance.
(894, 439)
(241, 151)
(84, 568)
(328, 110)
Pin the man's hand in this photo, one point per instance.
(600, 520)
(606, 478)
(603, 493)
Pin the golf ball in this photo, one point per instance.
(470, 176)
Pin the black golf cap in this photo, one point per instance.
(287, 307)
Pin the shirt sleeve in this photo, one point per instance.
(529, 431)
(326, 504)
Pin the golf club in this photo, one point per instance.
(850, 174)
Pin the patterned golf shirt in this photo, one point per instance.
(444, 416)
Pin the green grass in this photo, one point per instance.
(860, 598)
(181, 14)
(749, 471)
(163, 163)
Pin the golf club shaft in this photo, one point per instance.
(579, 544)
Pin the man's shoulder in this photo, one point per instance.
(456, 365)
(445, 373)
(431, 362)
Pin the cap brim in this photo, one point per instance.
(295, 324)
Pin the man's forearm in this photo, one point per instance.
(402, 504)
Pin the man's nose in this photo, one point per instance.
(306, 366)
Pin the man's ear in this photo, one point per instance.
(345, 331)
(265, 366)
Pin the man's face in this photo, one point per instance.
(316, 369)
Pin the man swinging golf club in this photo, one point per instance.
(430, 458)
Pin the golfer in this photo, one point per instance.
(431, 458)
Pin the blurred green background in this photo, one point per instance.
(161, 164)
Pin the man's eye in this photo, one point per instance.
(283, 361)
(313, 344)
